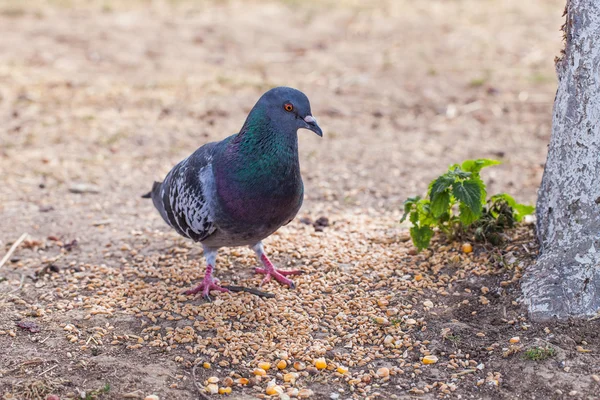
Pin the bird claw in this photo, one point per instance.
(207, 285)
(279, 275)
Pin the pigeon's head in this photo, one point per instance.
(287, 109)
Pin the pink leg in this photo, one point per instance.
(209, 283)
(270, 271)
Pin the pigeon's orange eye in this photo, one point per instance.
(288, 107)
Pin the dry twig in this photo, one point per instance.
(12, 249)
(199, 387)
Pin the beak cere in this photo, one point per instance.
(311, 124)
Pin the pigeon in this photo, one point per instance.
(240, 190)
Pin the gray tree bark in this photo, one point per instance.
(565, 281)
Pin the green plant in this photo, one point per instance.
(539, 353)
(94, 394)
(456, 202)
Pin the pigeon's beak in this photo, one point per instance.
(311, 124)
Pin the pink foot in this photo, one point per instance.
(279, 275)
(209, 283)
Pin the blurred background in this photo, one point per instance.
(104, 97)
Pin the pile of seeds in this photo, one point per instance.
(357, 317)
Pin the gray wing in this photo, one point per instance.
(183, 197)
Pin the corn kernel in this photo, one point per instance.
(383, 372)
(224, 390)
(242, 381)
(341, 369)
(430, 360)
(299, 366)
(264, 365)
(259, 372)
(320, 363)
(467, 248)
(206, 365)
(212, 388)
(213, 379)
(515, 339)
(274, 389)
(291, 377)
(281, 364)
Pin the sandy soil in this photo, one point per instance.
(104, 97)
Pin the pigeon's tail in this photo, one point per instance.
(155, 189)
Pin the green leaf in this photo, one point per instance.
(455, 172)
(482, 189)
(414, 217)
(439, 185)
(521, 210)
(440, 203)
(506, 197)
(467, 216)
(425, 215)
(469, 194)
(421, 236)
(408, 205)
(475, 166)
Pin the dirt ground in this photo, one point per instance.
(100, 98)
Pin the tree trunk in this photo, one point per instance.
(565, 281)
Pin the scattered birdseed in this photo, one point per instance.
(342, 370)
(430, 359)
(320, 363)
(212, 388)
(264, 365)
(281, 364)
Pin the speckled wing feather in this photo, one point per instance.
(183, 198)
